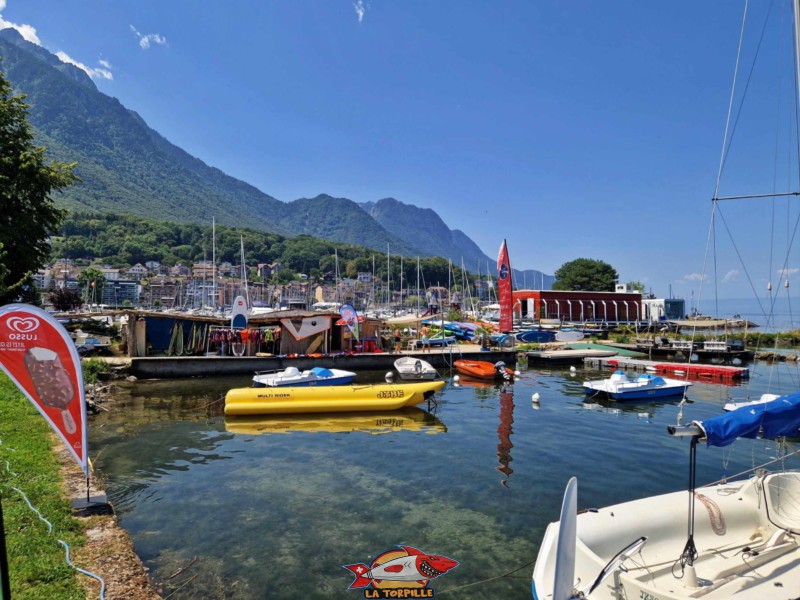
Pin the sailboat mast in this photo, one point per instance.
(796, 5)
(244, 272)
(449, 283)
(401, 278)
(388, 278)
(337, 299)
(418, 293)
(214, 259)
(204, 295)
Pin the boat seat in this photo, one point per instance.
(782, 494)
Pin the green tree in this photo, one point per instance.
(586, 274)
(91, 282)
(637, 286)
(64, 299)
(28, 214)
(3, 269)
(283, 277)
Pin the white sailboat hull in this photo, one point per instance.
(746, 535)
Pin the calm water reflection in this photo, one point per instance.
(273, 507)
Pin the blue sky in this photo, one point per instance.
(571, 128)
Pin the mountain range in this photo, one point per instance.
(127, 167)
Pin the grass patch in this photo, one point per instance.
(37, 564)
(93, 368)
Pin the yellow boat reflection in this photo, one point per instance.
(376, 423)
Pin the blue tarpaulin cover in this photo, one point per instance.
(322, 372)
(780, 417)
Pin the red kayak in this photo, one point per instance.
(484, 370)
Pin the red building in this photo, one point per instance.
(578, 307)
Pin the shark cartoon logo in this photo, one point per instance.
(504, 270)
(405, 567)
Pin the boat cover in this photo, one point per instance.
(778, 418)
(322, 372)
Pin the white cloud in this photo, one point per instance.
(787, 272)
(149, 38)
(361, 9)
(695, 277)
(28, 32)
(732, 275)
(100, 73)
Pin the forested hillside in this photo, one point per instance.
(128, 168)
(124, 240)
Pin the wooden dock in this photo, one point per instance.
(693, 370)
(567, 356)
(164, 367)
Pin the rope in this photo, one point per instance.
(714, 514)
(50, 530)
(482, 581)
(63, 543)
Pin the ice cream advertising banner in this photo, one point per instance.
(504, 289)
(37, 353)
(350, 317)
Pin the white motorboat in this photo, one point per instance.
(292, 376)
(620, 387)
(741, 541)
(414, 368)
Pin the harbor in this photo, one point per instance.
(215, 366)
(476, 476)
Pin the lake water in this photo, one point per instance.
(780, 314)
(275, 509)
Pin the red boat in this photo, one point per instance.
(482, 369)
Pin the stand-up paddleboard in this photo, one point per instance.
(535, 336)
(239, 313)
(569, 336)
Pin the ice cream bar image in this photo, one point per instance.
(51, 382)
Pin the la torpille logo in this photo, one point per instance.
(401, 573)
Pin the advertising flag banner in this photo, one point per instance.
(38, 355)
(504, 289)
(351, 318)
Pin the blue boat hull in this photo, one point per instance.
(640, 394)
(315, 382)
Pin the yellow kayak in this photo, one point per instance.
(410, 418)
(334, 398)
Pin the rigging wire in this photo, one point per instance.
(726, 140)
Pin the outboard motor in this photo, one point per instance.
(500, 367)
